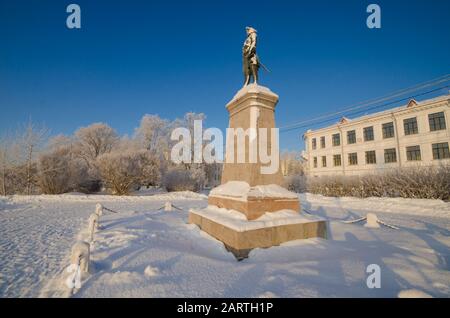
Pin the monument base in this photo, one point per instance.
(240, 236)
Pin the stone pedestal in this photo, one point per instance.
(240, 207)
(252, 107)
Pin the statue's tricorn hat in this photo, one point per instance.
(250, 29)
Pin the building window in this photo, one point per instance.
(368, 133)
(413, 153)
(388, 130)
(371, 157)
(336, 140)
(440, 151)
(390, 155)
(410, 126)
(351, 137)
(322, 142)
(353, 159)
(437, 121)
(324, 161)
(315, 162)
(314, 144)
(337, 160)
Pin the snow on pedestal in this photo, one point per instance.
(242, 190)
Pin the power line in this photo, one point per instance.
(436, 81)
(307, 123)
(367, 103)
(364, 110)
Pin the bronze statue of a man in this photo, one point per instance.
(250, 59)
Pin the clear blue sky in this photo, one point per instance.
(170, 57)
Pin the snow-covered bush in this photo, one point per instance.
(54, 172)
(59, 171)
(180, 178)
(14, 180)
(295, 183)
(89, 185)
(411, 182)
(424, 183)
(122, 171)
(335, 186)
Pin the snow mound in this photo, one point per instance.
(181, 195)
(268, 294)
(151, 271)
(120, 278)
(79, 197)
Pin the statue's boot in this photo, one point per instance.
(255, 73)
(247, 80)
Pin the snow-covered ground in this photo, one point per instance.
(146, 252)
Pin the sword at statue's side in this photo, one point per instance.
(264, 67)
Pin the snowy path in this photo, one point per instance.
(35, 237)
(143, 252)
(37, 232)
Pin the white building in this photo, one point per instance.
(411, 135)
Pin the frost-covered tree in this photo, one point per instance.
(153, 133)
(32, 138)
(188, 122)
(8, 158)
(94, 141)
(60, 141)
(291, 163)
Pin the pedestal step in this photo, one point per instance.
(240, 236)
(255, 207)
(253, 201)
